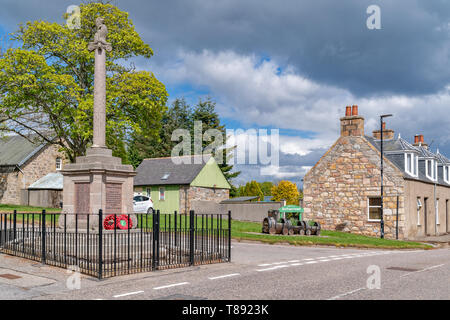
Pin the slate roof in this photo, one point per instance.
(16, 150)
(394, 150)
(240, 199)
(51, 181)
(169, 171)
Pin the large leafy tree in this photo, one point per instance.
(252, 188)
(46, 83)
(179, 115)
(182, 116)
(205, 112)
(286, 190)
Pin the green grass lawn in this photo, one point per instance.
(242, 231)
(9, 208)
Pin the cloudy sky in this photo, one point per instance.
(294, 65)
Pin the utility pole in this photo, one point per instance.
(381, 191)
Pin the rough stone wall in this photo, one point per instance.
(201, 194)
(40, 165)
(337, 188)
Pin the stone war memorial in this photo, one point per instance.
(97, 232)
(98, 180)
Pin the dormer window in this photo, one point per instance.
(431, 169)
(446, 172)
(411, 164)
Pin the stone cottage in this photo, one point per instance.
(21, 164)
(342, 190)
(181, 183)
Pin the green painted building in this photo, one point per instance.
(175, 183)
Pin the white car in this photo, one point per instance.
(142, 204)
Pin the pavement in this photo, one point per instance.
(257, 272)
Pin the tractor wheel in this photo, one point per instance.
(291, 231)
(308, 232)
(265, 225)
(301, 232)
(271, 225)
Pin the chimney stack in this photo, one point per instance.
(352, 124)
(418, 141)
(387, 134)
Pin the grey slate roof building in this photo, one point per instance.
(343, 189)
(22, 163)
(15, 151)
(169, 171)
(396, 150)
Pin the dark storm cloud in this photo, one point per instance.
(327, 41)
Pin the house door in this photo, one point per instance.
(425, 217)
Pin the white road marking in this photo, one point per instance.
(324, 260)
(264, 265)
(293, 261)
(345, 294)
(308, 259)
(273, 268)
(297, 264)
(171, 285)
(225, 276)
(309, 262)
(128, 294)
(426, 269)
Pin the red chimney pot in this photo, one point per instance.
(348, 111)
(416, 139)
(354, 110)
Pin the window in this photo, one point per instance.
(162, 194)
(446, 173)
(149, 192)
(374, 209)
(411, 164)
(419, 206)
(58, 164)
(431, 169)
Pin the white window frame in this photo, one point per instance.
(368, 209)
(433, 175)
(164, 194)
(58, 164)
(414, 164)
(446, 173)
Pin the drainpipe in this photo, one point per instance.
(435, 210)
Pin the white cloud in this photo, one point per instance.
(259, 95)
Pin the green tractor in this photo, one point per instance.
(288, 221)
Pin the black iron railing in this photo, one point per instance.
(124, 244)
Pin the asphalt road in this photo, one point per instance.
(257, 271)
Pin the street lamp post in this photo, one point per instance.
(381, 132)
